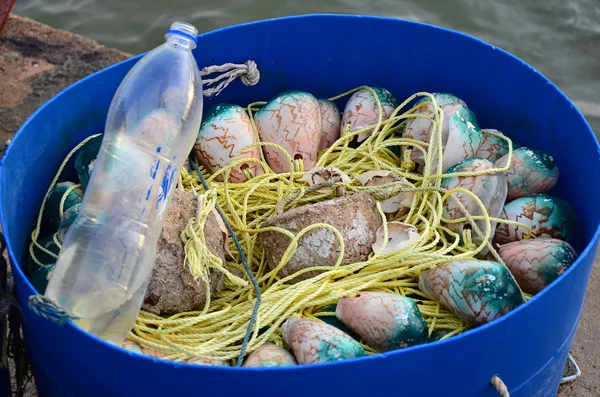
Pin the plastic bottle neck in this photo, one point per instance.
(182, 34)
(179, 41)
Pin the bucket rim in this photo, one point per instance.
(315, 16)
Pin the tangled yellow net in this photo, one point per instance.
(216, 332)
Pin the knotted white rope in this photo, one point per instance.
(499, 386)
(247, 72)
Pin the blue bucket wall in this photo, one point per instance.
(327, 55)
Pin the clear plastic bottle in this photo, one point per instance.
(108, 254)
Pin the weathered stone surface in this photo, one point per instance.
(172, 288)
(356, 218)
(36, 62)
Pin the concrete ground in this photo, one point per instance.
(586, 350)
(37, 61)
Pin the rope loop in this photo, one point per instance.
(46, 308)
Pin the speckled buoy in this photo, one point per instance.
(476, 291)
(332, 119)
(293, 121)
(438, 334)
(86, 159)
(384, 321)
(354, 216)
(44, 258)
(531, 171)
(67, 220)
(333, 320)
(52, 215)
(225, 131)
(149, 352)
(461, 135)
(361, 111)
(131, 346)
(270, 355)
(490, 188)
(537, 262)
(187, 166)
(548, 217)
(213, 362)
(493, 147)
(315, 342)
(135, 347)
(39, 278)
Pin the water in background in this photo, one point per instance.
(560, 38)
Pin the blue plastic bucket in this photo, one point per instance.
(327, 55)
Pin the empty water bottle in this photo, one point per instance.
(108, 253)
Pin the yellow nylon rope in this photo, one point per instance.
(217, 331)
(36, 232)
